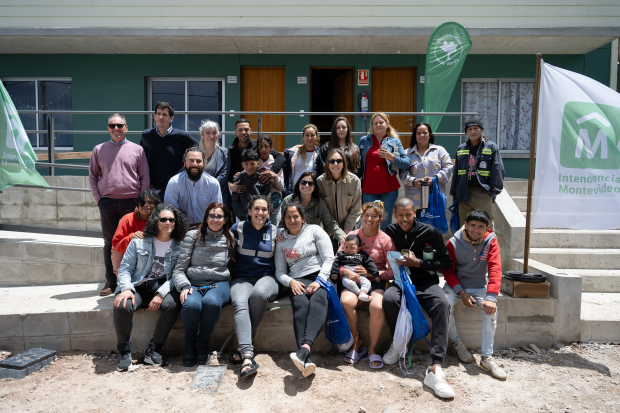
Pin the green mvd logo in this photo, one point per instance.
(590, 136)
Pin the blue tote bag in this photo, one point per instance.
(435, 214)
(337, 329)
(454, 217)
(421, 328)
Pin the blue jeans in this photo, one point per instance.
(489, 321)
(203, 308)
(388, 199)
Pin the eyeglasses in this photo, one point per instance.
(214, 217)
(116, 125)
(335, 161)
(306, 183)
(164, 220)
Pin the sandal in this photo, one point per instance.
(253, 368)
(373, 358)
(232, 358)
(353, 356)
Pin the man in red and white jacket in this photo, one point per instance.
(475, 252)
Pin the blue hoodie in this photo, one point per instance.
(255, 249)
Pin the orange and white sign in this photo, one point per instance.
(362, 77)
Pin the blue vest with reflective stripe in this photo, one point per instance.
(255, 249)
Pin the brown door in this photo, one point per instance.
(263, 88)
(393, 90)
(344, 100)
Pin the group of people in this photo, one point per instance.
(202, 226)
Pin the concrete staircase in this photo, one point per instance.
(592, 255)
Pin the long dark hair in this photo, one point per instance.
(181, 224)
(431, 137)
(149, 193)
(315, 193)
(345, 168)
(230, 242)
(334, 142)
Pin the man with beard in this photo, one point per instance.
(193, 190)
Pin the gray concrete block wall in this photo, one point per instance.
(51, 208)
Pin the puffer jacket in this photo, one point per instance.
(317, 213)
(202, 264)
(343, 199)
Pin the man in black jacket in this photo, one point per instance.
(410, 234)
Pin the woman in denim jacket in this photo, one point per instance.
(144, 281)
(426, 161)
(382, 155)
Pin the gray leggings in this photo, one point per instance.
(354, 288)
(249, 297)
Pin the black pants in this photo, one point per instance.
(433, 300)
(110, 212)
(309, 313)
(123, 318)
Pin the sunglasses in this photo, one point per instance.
(116, 125)
(335, 161)
(216, 217)
(306, 183)
(164, 220)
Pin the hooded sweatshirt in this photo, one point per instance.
(471, 261)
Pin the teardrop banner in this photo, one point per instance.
(445, 56)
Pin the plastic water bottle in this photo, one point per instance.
(428, 253)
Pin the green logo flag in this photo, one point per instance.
(445, 55)
(15, 151)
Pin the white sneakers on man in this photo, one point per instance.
(462, 352)
(492, 367)
(437, 382)
(391, 356)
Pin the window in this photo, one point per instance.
(42, 94)
(200, 94)
(505, 107)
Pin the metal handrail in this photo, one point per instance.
(60, 165)
(57, 188)
(195, 132)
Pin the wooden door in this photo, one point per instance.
(263, 88)
(393, 90)
(344, 98)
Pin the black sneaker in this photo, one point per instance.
(189, 359)
(204, 355)
(124, 361)
(153, 358)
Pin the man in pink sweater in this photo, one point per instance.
(117, 174)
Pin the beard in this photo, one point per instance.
(193, 174)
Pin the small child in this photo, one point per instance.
(253, 186)
(351, 257)
(264, 146)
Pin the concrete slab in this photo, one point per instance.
(582, 258)
(570, 238)
(599, 281)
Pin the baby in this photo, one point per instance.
(351, 257)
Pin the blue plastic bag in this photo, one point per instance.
(435, 214)
(421, 328)
(337, 329)
(454, 217)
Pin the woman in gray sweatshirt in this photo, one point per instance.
(304, 254)
(201, 276)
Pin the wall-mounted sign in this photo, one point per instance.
(302, 80)
(422, 79)
(362, 77)
(232, 79)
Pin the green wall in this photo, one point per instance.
(117, 83)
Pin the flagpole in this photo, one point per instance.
(530, 180)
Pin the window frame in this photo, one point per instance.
(36, 96)
(515, 152)
(221, 79)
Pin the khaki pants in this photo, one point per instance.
(478, 199)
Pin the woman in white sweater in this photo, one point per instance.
(304, 254)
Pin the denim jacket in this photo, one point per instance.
(138, 260)
(393, 144)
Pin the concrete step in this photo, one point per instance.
(580, 258)
(520, 201)
(572, 238)
(516, 188)
(600, 317)
(43, 259)
(598, 281)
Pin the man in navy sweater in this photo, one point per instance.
(164, 147)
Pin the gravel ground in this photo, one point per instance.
(572, 378)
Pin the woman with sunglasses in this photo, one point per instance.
(201, 277)
(302, 158)
(341, 190)
(317, 213)
(144, 282)
(342, 138)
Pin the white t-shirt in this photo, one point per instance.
(158, 269)
(301, 166)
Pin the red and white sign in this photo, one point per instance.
(362, 77)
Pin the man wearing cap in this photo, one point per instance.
(479, 174)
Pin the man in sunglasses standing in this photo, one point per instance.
(117, 174)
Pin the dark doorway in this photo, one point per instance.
(332, 91)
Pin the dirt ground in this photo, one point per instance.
(573, 378)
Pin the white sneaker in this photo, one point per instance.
(437, 382)
(492, 367)
(309, 368)
(391, 356)
(462, 352)
(365, 298)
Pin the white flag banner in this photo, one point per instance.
(577, 182)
